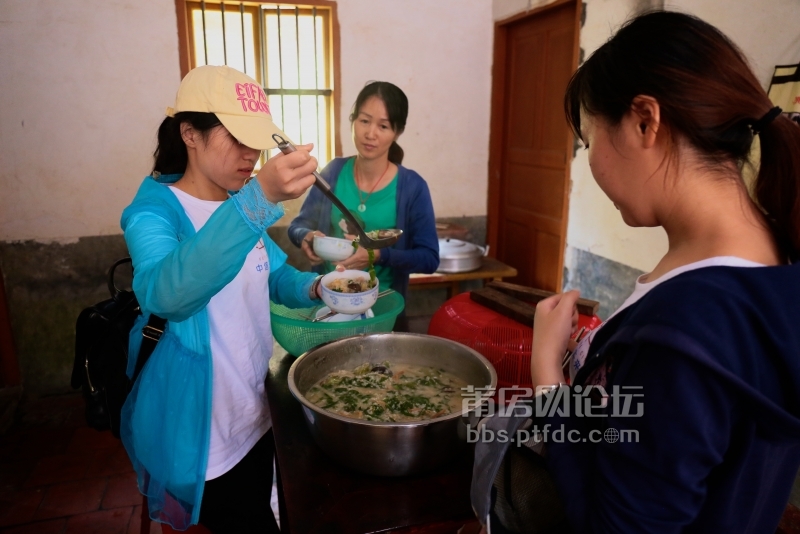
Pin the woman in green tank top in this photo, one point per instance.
(379, 191)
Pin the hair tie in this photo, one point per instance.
(759, 125)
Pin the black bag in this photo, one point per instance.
(102, 333)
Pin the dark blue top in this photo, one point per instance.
(417, 250)
(716, 352)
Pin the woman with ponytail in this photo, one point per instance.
(697, 425)
(196, 424)
(379, 191)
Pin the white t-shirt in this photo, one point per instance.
(641, 289)
(241, 346)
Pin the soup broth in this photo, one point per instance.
(390, 393)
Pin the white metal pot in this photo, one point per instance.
(456, 256)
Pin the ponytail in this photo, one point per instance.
(708, 94)
(171, 156)
(396, 153)
(777, 186)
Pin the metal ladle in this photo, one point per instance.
(386, 238)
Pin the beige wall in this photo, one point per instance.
(767, 33)
(594, 224)
(502, 9)
(83, 87)
(440, 53)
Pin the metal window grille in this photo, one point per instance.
(287, 48)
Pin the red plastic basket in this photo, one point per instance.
(504, 342)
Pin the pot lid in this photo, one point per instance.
(455, 248)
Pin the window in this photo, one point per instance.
(292, 49)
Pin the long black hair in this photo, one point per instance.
(396, 104)
(707, 94)
(171, 156)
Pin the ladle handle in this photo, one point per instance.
(287, 148)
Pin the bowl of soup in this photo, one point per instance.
(390, 404)
(349, 291)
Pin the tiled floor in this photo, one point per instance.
(58, 476)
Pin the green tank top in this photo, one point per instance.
(380, 213)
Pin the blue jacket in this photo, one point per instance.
(417, 250)
(716, 353)
(166, 418)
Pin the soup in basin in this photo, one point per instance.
(390, 393)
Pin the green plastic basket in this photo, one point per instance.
(294, 331)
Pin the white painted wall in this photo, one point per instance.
(84, 85)
(767, 31)
(768, 34)
(503, 9)
(594, 223)
(440, 54)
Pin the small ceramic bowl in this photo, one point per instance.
(343, 317)
(350, 303)
(332, 248)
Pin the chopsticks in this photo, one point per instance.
(568, 353)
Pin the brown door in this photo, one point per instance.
(531, 145)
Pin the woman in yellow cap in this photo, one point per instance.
(196, 424)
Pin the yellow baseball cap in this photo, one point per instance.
(235, 98)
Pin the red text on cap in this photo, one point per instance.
(252, 97)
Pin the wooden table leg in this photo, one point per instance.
(454, 289)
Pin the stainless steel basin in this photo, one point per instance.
(389, 449)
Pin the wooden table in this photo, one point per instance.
(492, 269)
(317, 495)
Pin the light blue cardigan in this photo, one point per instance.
(167, 416)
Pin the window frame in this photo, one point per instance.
(186, 48)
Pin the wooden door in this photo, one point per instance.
(531, 145)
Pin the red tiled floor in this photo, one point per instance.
(101, 522)
(54, 526)
(87, 440)
(58, 468)
(14, 473)
(106, 462)
(134, 527)
(18, 506)
(71, 498)
(121, 491)
(40, 443)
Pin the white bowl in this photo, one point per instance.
(343, 317)
(333, 248)
(351, 303)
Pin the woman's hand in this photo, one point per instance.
(287, 176)
(307, 246)
(359, 260)
(555, 320)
